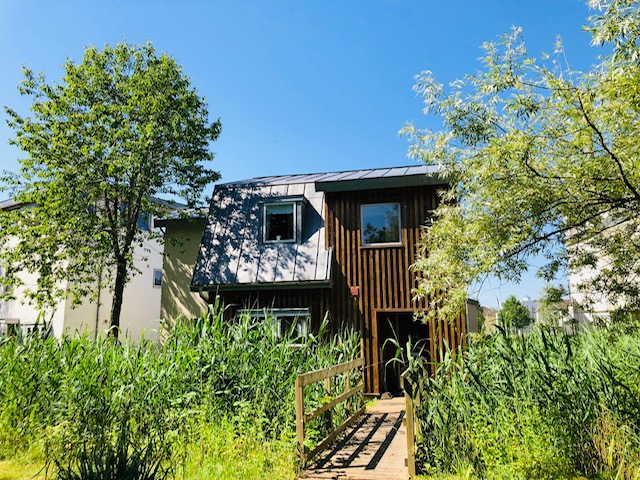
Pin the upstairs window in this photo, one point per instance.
(279, 222)
(380, 223)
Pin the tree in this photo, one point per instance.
(123, 127)
(514, 314)
(542, 160)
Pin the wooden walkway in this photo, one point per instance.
(375, 448)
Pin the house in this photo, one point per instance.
(302, 246)
(140, 309)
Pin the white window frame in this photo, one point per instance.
(380, 244)
(294, 208)
(300, 314)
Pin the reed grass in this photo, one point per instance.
(105, 410)
(543, 405)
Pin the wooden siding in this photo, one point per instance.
(381, 273)
(315, 299)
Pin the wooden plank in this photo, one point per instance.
(410, 425)
(330, 438)
(312, 377)
(299, 390)
(328, 406)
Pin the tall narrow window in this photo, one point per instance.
(279, 222)
(157, 278)
(380, 224)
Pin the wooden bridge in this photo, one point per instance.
(372, 444)
(375, 448)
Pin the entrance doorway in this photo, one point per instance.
(395, 330)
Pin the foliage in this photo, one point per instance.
(100, 409)
(122, 127)
(543, 405)
(542, 160)
(514, 314)
(552, 308)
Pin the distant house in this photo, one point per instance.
(140, 309)
(302, 246)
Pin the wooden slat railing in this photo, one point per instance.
(302, 417)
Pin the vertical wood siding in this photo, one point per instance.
(382, 273)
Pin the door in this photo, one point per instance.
(395, 331)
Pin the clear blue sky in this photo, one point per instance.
(300, 86)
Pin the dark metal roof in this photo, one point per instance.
(232, 254)
(347, 175)
(10, 204)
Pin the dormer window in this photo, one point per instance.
(279, 222)
(282, 219)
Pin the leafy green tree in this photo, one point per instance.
(514, 314)
(123, 127)
(542, 160)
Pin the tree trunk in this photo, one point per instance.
(118, 292)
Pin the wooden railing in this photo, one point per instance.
(412, 382)
(302, 417)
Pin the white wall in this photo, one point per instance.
(140, 310)
(140, 307)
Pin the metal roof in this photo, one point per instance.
(347, 175)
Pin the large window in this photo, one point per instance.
(279, 222)
(380, 224)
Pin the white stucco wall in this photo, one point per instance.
(140, 310)
(140, 307)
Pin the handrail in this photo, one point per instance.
(412, 397)
(302, 418)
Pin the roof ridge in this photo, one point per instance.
(271, 178)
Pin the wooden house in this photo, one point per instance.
(302, 246)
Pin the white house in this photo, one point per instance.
(140, 309)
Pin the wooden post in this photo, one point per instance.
(300, 419)
(327, 391)
(347, 387)
(407, 386)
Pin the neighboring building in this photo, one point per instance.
(140, 308)
(303, 246)
(182, 235)
(588, 305)
(532, 305)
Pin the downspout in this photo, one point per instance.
(202, 296)
(95, 333)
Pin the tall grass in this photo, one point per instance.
(100, 409)
(543, 405)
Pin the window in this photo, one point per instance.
(144, 222)
(279, 222)
(380, 223)
(294, 323)
(157, 278)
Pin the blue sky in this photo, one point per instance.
(300, 86)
